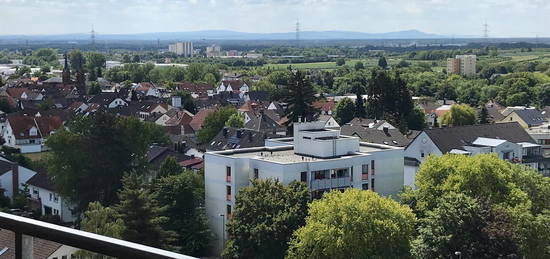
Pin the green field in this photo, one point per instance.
(370, 62)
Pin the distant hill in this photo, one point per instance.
(233, 35)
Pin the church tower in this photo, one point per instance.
(66, 76)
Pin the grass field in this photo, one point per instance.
(36, 156)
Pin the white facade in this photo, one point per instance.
(52, 203)
(6, 180)
(182, 48)
(319, 157)
(31, 145)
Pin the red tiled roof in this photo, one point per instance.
(199, 118)
(41, 248)
(324, 105)
(22, 124)
(190, 162)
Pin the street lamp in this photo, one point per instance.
(459, 254)
(223, 230)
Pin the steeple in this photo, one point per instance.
(66, 76)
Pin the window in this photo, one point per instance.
(506, 155)
(341, 173)
(256, 173)
(55, 212)
(365, 172)
(228, 193)
(372, 184)
(34, 191)
(372, 167)
(55, 198)
(228, 212)
(422, 154)
(303, 177)
(228, 174)
(365, 186)
(51, 197)
(319, 175)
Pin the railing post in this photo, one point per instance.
(18, 245)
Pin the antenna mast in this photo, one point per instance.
(93, 36)
(486, 30)
(298, 33)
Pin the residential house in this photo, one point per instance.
(375, 131)
(325, 106)
(235, 86)
(232, 138)
(321, 158)
(508, 140)
(198, 119)
(197, 90)
(541, 135)
(45, 197)
(29, 133)
(13, 177)
(25, 94)
(180, 123)
(108, 100)
(527, 118)
(147, 89)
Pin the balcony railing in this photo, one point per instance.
(330, 183)
(78, 239)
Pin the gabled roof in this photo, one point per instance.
(393, 137)
(42, 180)
(532, 117)
(262, 122)
(325, 105)
(447, 139)
(5, 166)
(45, 125)
(199, 118)
(104, 99)
(180, 118)
(232, 138)
(41, 248)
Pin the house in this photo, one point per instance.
(256, 96)
(262, 122)
(195, 164)
(24, 94)
(198, 119)
(233, 86)
(108, 100)
(232, 138)
(50, 202)
(494, 111)
(147, 89)
(148, 109)
(321, 158)
(330, 122)
(508, 140)
(197, 90)
(41, 248)
(13, 177)
(29, 133)
(541, 135)
(375, 131)
(180, 123)
(527, 118)
(325, 106)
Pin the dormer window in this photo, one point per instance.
(33, 132)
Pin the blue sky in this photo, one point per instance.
(506, 18)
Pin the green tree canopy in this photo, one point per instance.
(300, 96)
(235, 121)
(358, 223)
(183, 197)
(459, 115)
(215, 122)
(169, 167)
(345, 110)
(382, 62)
(88, 160)
(264, 218)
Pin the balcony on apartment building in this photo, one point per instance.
(24, 228)
(330, 179)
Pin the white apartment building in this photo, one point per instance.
(182, 48)
(462, 64)
(319, 157)
(213, 51)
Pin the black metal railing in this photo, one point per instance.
(78, 239)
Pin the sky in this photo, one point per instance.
(506, 18)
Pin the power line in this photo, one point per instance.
(486, 30)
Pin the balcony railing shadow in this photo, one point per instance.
(76, 238)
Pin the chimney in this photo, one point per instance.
(15, 178)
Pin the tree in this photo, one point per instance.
(416, 120)
(102, 220)
(358, 223)
(265, 216)
(345, 110)
(382, 62)
(143, 218)
(77, 61)
(169, 167)
(359, 65)
(95, 62)
(213, 123)
(88, 160)
(235, 121)
(460, 223)
(483, 115)
(459, 115)
(183, 196)
(340, 62)
(300, 96)
(187, 101)
(517, 197)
